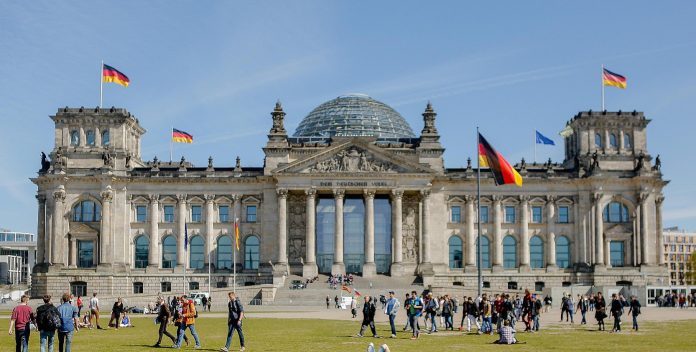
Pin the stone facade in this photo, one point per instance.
(112, 222)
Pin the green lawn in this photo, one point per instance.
(264, 334)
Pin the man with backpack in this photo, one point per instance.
(47, 321)
(68, 322)
(431, 306)
(234, 321)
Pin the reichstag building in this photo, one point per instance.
(353, 190)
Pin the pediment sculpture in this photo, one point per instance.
(352, 160)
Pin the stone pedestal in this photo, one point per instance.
(338, 268)
(497, 268)
(525, 268)
(426, 269)
(310, 270)
(396, 269)
(369, 270)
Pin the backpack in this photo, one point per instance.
(51, 320)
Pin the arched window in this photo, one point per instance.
(196, 255)
(142, 251)
(485, 252)
(612, 141)
(87, 211)
(169, 252)
(90, 138)
(105, 138)
(627, 141)
(251, 253)
(616, 212)
(509, 252)
(598, 140)
(455, 252)
(224, 253)
(74, 137)
(563, 252)
(536, 252)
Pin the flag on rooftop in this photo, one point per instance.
(110, 74)
(613, 79)
(541, 139)
(181, 136)
(503, 173)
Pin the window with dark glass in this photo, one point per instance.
(536, 214)
(564, 214)
(168, 213)
(105, 138)
(627, 141)
(455, 252)
(194, 286)
(196, 253)
(196, 212)
(137, 288)
(616, 253)
(251, 253)
(74, 137)
(87, 211)
(169, 252)
(456, 214)
(485, 252)
(612, 141)
(221, 284)
(563, 252)
(90, 138)
(536, 252)
(140, 213)
(224, 253)
(251, 213)
(616, 212)
(224, 213)
(510, 214)
(509, 252)
(142, 251)
(166, 286)
(85, 254)
(598, 140)
(484, 214)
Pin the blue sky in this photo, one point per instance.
(215, 70)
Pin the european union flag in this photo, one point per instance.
(541, 139)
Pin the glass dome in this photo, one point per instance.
(354, 115)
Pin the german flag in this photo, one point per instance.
(236, 233)
(181, 136)
(501, 169)
(110, 74)
(613, 79)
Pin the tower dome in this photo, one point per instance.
(354, 115)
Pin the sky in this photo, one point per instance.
(216, 68)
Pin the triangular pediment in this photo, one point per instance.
(82, 228)
(354, 158)
(619, 228)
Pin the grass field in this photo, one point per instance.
(268, 334)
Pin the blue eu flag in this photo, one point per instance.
(541, 139)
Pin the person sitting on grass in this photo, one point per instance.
(125, 321)
(507, 334)
(85, 323)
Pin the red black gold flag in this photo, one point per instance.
(110, 74)
(503, 173)
(181, 136)
(613, 79)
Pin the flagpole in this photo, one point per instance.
(535, 143)
(234, 257)
(171, 145)
(602, 81)
(101, 84)
(209, 275)
(185, 255)
(478, 204)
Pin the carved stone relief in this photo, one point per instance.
(352, 160)
(410, 229)
(296, 226)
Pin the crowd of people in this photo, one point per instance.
(672, 299)
(338, 280)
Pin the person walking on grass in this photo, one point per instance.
(187, 321)
(471, 312)
(414, 308)
(391, 309)
(583, 307)
(600, 310)
(20, 320)
(447, 312)
(431, 306)
(408, 321)
(47, 321)
(94, 310)
(369, 311)
(570, 306)
(116, 312)
(535, 313)
(163, 317)
(616, 311)
(235, 316)
(68, 323)
(486, 310)
(634, 311)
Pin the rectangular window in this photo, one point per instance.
(166, 286)
(563, 215)
(456, 214)
(251, 213)
(168, 213)
(140, 213)
(196, 212)
(536, 215)
(484, 214)
(85, 254)
(616, 249)
(137, 287)
(224, 213)
(509, 215)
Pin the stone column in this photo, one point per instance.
(470, 234)
(209, 222)
(551, 232)
(425, 196)
(338, 266)
(369, 267)
(282, 227)
(644, 232)
(105, 249)
(497, 233)
(72, 252)
(599, 230)
(397, 232)
(524, 232)
(154, 253)
(180, 254)
(607, 253)
(309, 269)
(57, 228)
(658, 228)
(41, 230)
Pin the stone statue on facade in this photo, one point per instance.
(45, 164)
(351, 160)
(595, 162)
(658, 163)
(60, 161)
(128, 161)
(108, 159)
(278, 116)
(640, 161)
